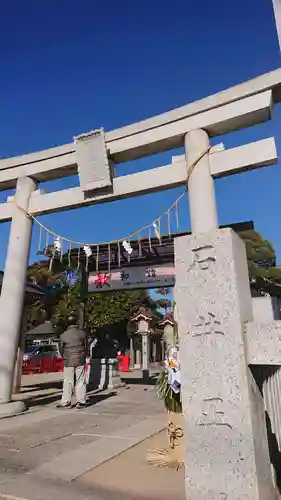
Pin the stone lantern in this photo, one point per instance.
(169, 334)
(142, 319)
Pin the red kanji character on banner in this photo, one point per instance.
(102, 280)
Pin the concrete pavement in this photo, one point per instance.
(45, 451)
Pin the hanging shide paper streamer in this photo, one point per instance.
(57, 244)
(88, 252)
(156, 230)
(127, 247)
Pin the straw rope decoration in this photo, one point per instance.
(154, 226)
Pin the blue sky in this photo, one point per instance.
(67, 68)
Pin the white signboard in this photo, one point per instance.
(129, 278)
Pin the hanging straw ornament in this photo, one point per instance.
(149, 238)
(46, 243)
(51, 261)
(40, 240)
(97, 258)
(109, 257)
(78, 258)
(118, 253)
(169, 222)
(140, 248)
(177, 213)
(69, 255)
(159, 228)
(53, 255)
(61, 251)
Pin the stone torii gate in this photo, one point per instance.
(226, 446)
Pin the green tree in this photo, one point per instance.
(109, 308)
(163, 303)
(263, 273)
(103, 310)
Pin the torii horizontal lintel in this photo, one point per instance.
(222, 163)
(166, 131)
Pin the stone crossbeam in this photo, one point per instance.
(227, 162)
(253, 155)
(224, 119)
(269, 81)
(142, 139)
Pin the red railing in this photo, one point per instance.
(53, 365)
(44, 365)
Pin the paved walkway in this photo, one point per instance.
(128, 476)
(47, 453)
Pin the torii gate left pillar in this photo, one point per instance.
(12, 294)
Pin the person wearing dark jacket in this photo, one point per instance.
(73, 350)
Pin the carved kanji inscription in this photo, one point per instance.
(203, 256)
(207, 325)
(213, 413)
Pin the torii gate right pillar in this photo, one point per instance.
(227, 455)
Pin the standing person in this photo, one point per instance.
(73, 350)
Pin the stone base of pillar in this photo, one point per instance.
(12, 408)
(104, 374)
(145, 375)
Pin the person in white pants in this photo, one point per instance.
(73, 350)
